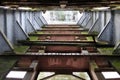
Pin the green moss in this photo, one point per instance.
(20, 49)
(6, 64)
(116, 52)
(85, 32)
(33, 38)
(89, 38)
(102, 42)
(106, 51)
(40, 32)
(94, 32)
(116, 64)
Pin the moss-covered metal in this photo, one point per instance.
(85, 32)
(20, 49)
(89, 38)
(40, 32)
(116, 64)
(94, 32)
(33, 38)
(6, 63)
(106, 51)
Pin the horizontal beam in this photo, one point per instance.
(34, 34)
(60, 27)
(65, 43)
(22, 69)
(51, 3)
(70, 25)
(63, 30)
(71, 62)
(104, 69)
(111, 57)
(98, 45)
(54, 43)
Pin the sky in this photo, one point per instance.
(47, 17)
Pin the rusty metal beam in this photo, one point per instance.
(63, 43)
(61, 26)
(56, 3)
(68, 63)
(54, 43)
(58, 34)
(92, 67)
(63, 30)
(49, 5)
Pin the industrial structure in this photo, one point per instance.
(29, 45)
